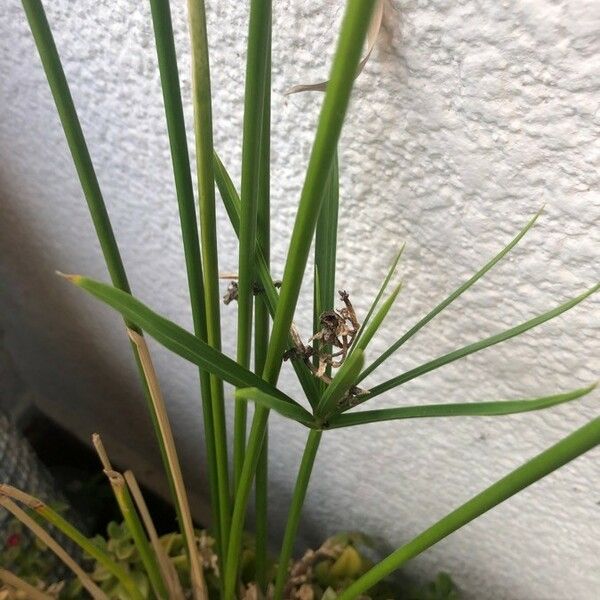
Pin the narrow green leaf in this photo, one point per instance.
(451, 298)
(231, 201)
(374, 325)
(477, 346)
(569, 448)
(291, 411)
(382, 289)
(229, 195)
(344, 379)
(463, 409)
(175, 338)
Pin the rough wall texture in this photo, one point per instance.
(470, 116)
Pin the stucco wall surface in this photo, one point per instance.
(468, 118)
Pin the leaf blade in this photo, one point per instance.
(451, 298)
(482, 344)
(380, 293)
(463, 409)
(175, 338)
(577, 443)
(378, 319)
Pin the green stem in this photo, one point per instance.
(569, 448)
(302, 480)
(335, 104)
(208, 234)
(324, 295)
(76, 140)
(136, 529)
(65, 107)
(259, 36)
(167, 63)
(261, 484)
(253, 451)
(261, 328)
(325, 256)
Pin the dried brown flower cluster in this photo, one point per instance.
(327, 347)
(338, 330)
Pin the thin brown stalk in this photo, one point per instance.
(18, 584)
(197, 574)
(88, 546)
(132, 520)
(49, 541)
(166, 566)
(20, 496)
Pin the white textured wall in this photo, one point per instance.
(468, 118)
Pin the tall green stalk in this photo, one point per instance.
(65, 107)
(259, 39)
(261, 328)
(291, 529)
(323, 299)
(167, 63)
(136, 529)
(325, 255)
(208, 235)
(569, 448)
(352, 36)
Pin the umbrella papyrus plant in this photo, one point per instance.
(333, 366)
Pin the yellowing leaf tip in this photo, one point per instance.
(76, 279)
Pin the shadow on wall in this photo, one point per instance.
(56, 347)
